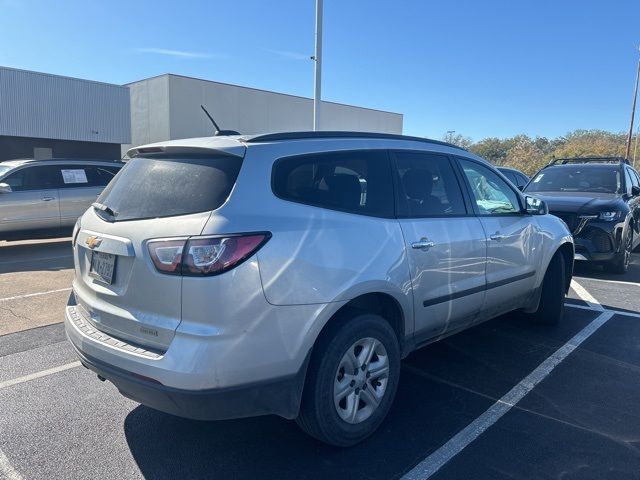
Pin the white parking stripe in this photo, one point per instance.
(36, 294)
(434, 462)
(43, 373)
(6, 469)
(586, 296)
(621, 282)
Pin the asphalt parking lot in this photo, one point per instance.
(504, 400)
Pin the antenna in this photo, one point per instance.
(217, 131)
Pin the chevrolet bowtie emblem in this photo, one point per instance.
(93, 242)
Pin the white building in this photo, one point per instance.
(167, 107)
(44, 116)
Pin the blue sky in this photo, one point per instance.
(490, 68)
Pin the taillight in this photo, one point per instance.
(167, 255)
(203, 256)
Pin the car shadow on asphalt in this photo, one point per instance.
(589, 270)
(30, 257)
(443, 388)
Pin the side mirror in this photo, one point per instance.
(635, 191)
(536, 206)
(5, 188)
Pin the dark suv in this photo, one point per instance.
(599, 200)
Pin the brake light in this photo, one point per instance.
(167, 255)
(205, 256)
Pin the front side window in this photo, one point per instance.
(34, 178)
(577, 178)
(628, 182)
(427, 186)
(492, 194)
(353, 181)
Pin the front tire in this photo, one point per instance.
(621, 264)
(551, 307)
(352, 380)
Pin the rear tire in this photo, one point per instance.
(340, 352)
(551, 307)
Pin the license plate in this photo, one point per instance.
(102, 266)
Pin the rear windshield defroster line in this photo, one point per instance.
(152, 187)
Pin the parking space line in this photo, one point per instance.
(6, 469)
(622, 282)
(436, 460)
(36, 294)
(43, 373)
(586, 296)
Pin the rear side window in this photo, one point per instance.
(151, 187)
(354, 181)
(427, 186)
(99, 175)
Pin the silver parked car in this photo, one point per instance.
(45, 197)
(289, 273)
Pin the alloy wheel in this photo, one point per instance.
(361, 380)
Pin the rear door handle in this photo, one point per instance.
(497, 237)
(423, 244)
(47, 199)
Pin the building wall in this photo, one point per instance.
(39, 105)
(42, 148)
(149, 110)
(168, 108)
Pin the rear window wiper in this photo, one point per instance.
(104, 208)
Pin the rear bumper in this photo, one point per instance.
(144, 376)
(280, 397)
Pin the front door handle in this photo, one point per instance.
(497, 237)
(47, 199)
(423, 244)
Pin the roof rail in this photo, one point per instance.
(274, 137)
(564, 161)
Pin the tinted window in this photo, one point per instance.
(74, 176)
(34, 178)
(628, 182)
(521, 179)
(427, 186)
(510, 176)
(577, 178)
(492, 195)
(634, 178)
(100, 176)
(355, 181)
(164, 187)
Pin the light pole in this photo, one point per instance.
(633, 112)
(450, 135)
(317, 94)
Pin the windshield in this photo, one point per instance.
(164, 187)
(605, 179)
(4, 169)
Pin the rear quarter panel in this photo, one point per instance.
(315, 255)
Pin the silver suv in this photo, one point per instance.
(45, 197)
(290, 273)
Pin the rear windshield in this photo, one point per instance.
(164, 187)
(577, 179)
